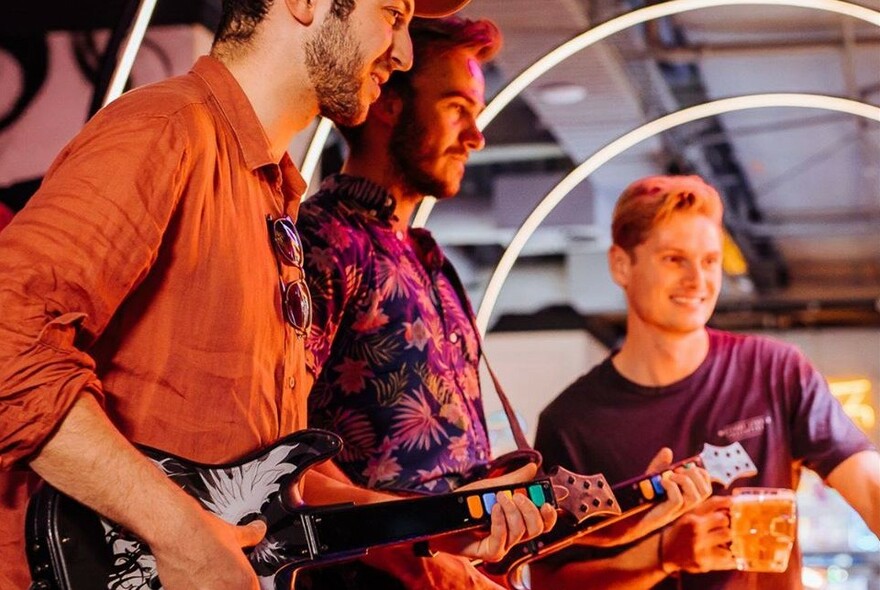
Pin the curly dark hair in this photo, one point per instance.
(240, 19)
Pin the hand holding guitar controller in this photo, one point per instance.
(489, 547)
(723, 464)
(71, 547)
(684, 484)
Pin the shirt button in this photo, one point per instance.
(453, 337)
(291, 381)
(399, 234)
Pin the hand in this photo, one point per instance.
(685, 487)
(524, 474)
(700, 540)
(513, 520)
(207, 555)
(441, 572)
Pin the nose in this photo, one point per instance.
(694, 274)
(473, 137)
(401, 50)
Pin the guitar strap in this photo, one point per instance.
(525, 450)
(518, 435)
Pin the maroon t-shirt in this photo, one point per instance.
(760, 392)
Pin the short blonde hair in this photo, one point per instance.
(651, 200)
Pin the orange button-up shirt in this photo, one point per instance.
(142, 273)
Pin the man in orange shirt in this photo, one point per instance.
(140, 292)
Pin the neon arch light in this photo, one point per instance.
(579, 43)
(626, 141)
(617, 24)
(131, 46)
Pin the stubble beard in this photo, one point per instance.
(334, 63)
(406, 138)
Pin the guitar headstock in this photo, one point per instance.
(583, 496)
(728, 463)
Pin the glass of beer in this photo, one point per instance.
(763, 523)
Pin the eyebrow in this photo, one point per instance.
(677, 250)
(466, 97)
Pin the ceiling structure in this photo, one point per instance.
(802, 186)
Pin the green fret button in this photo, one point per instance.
(536, 493)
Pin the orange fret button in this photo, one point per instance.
(475, 506)
(647, 489)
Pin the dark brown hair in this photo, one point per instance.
(432, 37)
(240, 18)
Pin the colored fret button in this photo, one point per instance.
(489, 501)
(647, 489)
(658, 487)
(475, 507)
(536, 493)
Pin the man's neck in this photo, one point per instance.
(271, 96)
(655, 359)
(382, 173)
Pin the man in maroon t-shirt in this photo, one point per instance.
(676, 383)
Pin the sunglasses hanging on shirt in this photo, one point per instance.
(296, 301)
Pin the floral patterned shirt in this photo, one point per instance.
(393, 347)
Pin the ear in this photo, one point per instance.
(302, 10)
(619, 263)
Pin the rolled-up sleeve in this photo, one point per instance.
(68, 260)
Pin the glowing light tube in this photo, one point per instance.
(617, 24)
(646, 131)
(132, 45)
(316, 146)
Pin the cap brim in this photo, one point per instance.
(438, 8)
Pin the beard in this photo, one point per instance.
(406, 137)
(334, 63)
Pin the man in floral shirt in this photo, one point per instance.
(393, 348)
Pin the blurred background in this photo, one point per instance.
(801, 185)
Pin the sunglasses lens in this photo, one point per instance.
(287, 241)
(298, 305)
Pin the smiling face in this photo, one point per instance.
(673, 278)
(351, 55)
(437, 129)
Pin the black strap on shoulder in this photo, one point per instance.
(518, 436)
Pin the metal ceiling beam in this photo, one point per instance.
(767, 269)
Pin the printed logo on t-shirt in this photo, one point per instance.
(748, 428)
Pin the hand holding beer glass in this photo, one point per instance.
(763, 524)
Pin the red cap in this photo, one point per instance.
(438, 8)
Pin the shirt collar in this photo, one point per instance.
(374, 199)
(246, 127)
